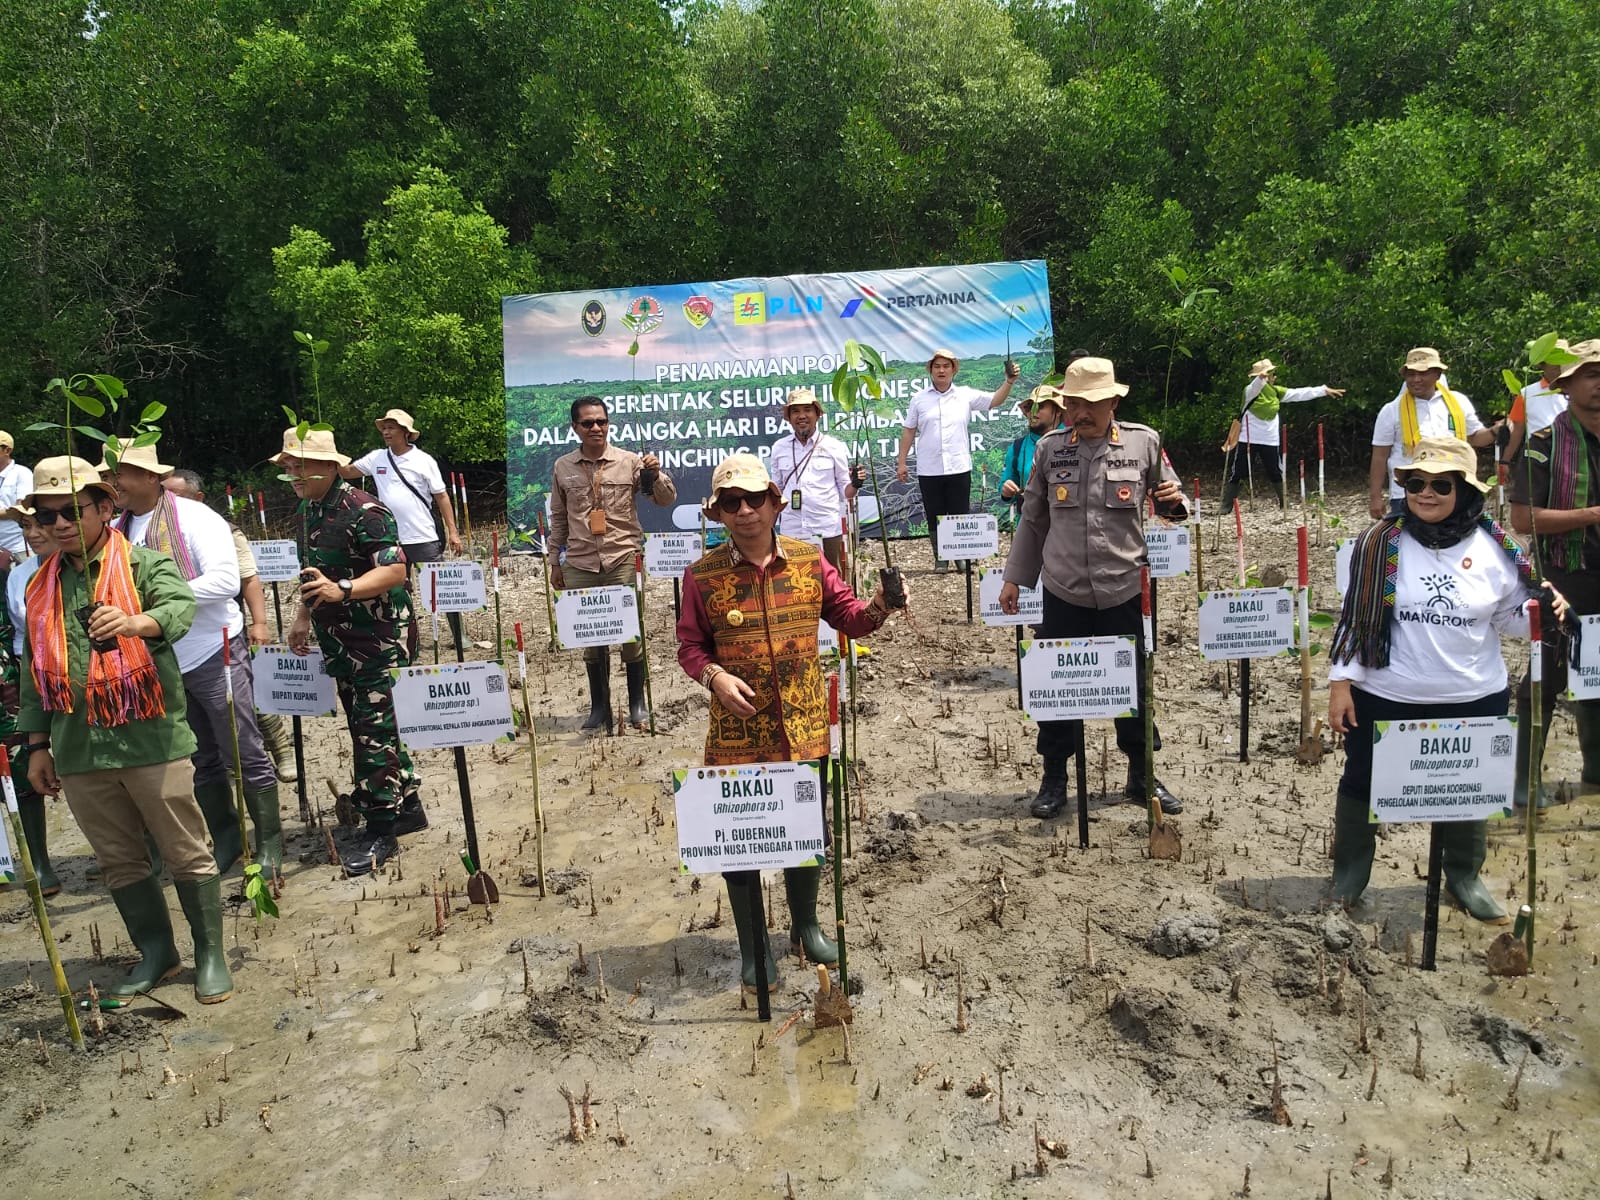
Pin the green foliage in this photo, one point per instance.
(259, 892)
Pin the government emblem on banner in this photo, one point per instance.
(593, 318)
(645, 313)
(697, 310)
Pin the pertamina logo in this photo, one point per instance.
(868, 300)
(749, 308)
(871, 299)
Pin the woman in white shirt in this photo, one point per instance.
(1431, 592)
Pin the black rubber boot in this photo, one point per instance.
(143, 908)
(222, 819)
(1465, 844)
(1052, 795)
(1355, 841)
(599, 694)
(1133, 790)
(1588, 719)
(202, 904)
(1230, 493)
(1519, 790)
(745, 925)
(638, 715)
(30, 809)
(263, 806)
(801, 885)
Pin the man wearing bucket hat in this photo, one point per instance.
(936, 420)
(1425, 407)
(1041, 408)
(748, 635)
(411, 486)
(103, 708)
(15, 482)
(1254, 439)
(814, 475)
(594, 527)
(353, 594)
(1556, 492)
(1082, 536)
(200, 543)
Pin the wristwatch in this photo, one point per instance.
(345, 587)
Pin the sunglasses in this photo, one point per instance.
(732, 502)
(50, 517)
(594, 422)
(1440, 487)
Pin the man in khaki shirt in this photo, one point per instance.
(1082, 533)
(594, 527)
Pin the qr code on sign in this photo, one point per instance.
(1124, 659)
(1500, 745)
(1283, 606)
(805, 791)
(494, 684)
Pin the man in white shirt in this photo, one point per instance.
(16, 481)
(813, 472)
(1425, 407)
(1259, 429)
(937, 421)
(1535, 408)
(201, 544)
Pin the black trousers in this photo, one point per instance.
(944, 496)
(1357, 778)
(1582, 590)
(1262, 464)
(1058, 739)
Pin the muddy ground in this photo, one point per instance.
(1133, 1013)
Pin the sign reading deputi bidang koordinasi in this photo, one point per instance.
(1254, 623)
(968, 536)
(1453, 769)
(1030, 601)
(290, 684)
(602, 616)
(277, 561)
(1079, 679)
(751, 817)
(452, 704)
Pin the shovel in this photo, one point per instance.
(480, 888)
(1164, 840)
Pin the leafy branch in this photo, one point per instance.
(1180, 279)
(259, 892)
(862, 374)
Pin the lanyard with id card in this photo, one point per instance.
(597, 514)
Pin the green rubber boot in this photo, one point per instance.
(202, 904)
(144, 912)
(222, 819)
(30, 809)
(801, 884)
(280, 745)
(744, 923)
(263, 806)
(1519, 789)
(1588, 718)
(1355, 841)
(1465, 844)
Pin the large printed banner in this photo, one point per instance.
(715, 360)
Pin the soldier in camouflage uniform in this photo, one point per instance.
(353, 592)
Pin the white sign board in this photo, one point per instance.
(670, 554)
(968, 536)
(1341, 564)
(276, 561)
(1254, 623)
(1079, 679)
(1030, 601)
(1583, 677)
(290, 684)
(452, 704)
(10, 864)
(1455, 769)
(1168, 546)
(602, 616)
(451, 586)
(750, 817)
(827, 639)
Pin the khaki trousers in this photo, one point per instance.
(114, 807)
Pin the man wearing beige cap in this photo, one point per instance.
(353, 594)
(200, 543)
(1425, 407)
(103, 708)
(15, 482)
(1254, 440)
(813, 473)
(936, 420)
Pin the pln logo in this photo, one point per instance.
(868, 300)
(697, 310)
(749, 308)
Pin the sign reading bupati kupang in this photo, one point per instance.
(715, 360)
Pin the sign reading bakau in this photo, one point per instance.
(1079, 679)
(751, 817)
(1168, 547)
(452, 586)
(290, 684)
(968, 536)
(1030, 601)
(277, 561)
(452, 704)
(667, 555)
(1254, 623)
(602, 616)
(1454, 769)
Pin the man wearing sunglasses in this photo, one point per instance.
(594, 529)
(1042, 410)
(103, 708)
(1425, 407)
(15, 480)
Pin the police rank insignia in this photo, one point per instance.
(735, 617)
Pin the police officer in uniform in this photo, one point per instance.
(1082, 529)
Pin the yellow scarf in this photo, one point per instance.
(1411, 433)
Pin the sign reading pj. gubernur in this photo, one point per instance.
(749, 818)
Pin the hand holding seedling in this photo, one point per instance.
(316, 588)
(108, 622)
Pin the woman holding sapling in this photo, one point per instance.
(748, 635)
(1431, 592)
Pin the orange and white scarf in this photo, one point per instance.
(123, 683)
